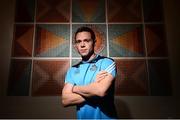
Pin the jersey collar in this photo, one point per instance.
(92, 61)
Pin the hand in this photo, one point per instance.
(68, 87)
(101, 75)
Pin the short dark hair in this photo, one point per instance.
(86, 29)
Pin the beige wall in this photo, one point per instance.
(127, 106)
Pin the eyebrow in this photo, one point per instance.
(83, 39)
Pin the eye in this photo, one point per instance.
(78, 41)
(87, 40)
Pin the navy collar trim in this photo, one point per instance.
(95, 59)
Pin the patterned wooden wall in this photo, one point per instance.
(129, 31)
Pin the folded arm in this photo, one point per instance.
(98, 88)
(69, 98)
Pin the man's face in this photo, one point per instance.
(84, 44)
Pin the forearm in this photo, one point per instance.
(98, 88)
(69, 99)
(93, 89)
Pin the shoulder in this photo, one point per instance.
(71, 69)
(109, 65)
(106, 59)
(104, 62)
(76, 65)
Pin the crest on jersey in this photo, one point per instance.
(93, 67)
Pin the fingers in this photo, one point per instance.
(101, 75)
(102, 72)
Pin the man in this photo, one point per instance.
(90, 83)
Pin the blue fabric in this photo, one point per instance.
(84, 73)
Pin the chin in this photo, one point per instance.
(84, 55)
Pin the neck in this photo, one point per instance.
(89, 57)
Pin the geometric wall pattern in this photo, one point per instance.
(156, 42)
(124, 11)
(48, 77)
(131, 77)
(25, 11)
(126, 40)
(129, 31)
(153, 10)
(23, 40)
(52, 40)
(159, 77)
(88, 11)
(19, 79)
(53, 11)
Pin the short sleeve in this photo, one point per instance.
(68, 78)
(109, 65)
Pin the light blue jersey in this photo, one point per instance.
(85, 73)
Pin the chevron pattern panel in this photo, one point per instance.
(156, 42)
(131, 77)
(124, 11)
(25, 11)
(126, 40)
(53, 11)
(23, 40)
(52, 41)
(153, 11)
(159, 78)
(48, 77)
(88, 11)
(19, 78)
(129, 31)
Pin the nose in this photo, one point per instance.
(82, 44)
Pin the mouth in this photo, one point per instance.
(82, 50)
